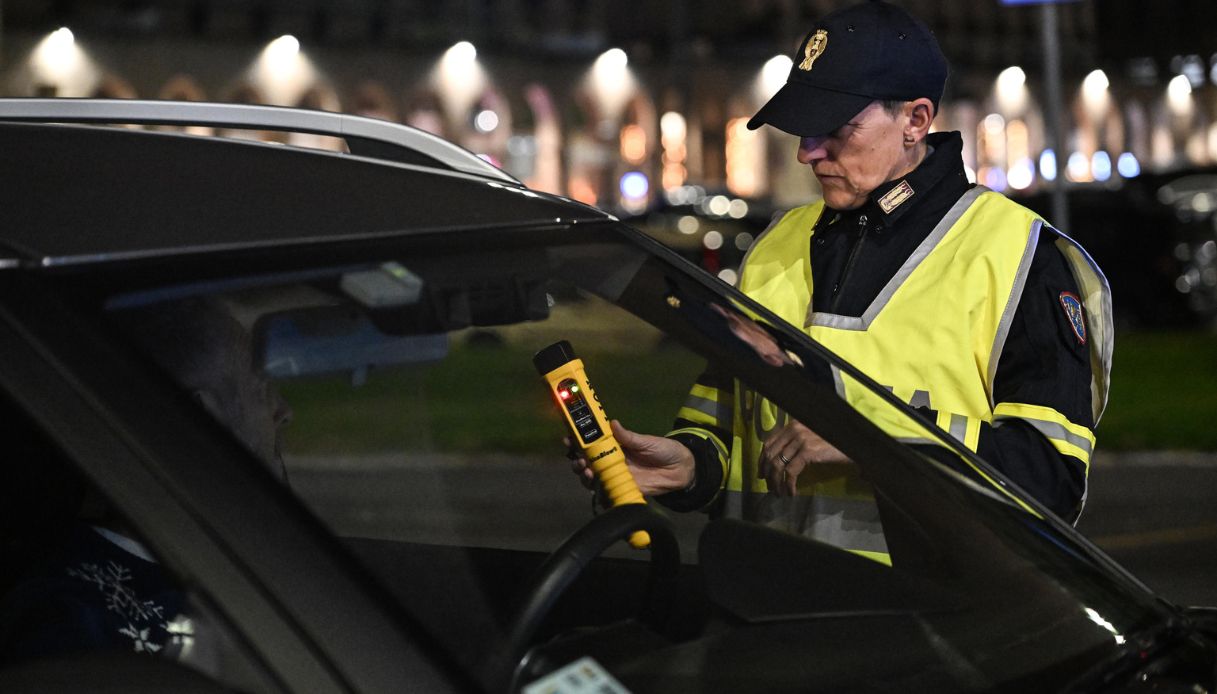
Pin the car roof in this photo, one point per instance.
(77, 193)
(412, 144)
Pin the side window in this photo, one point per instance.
(77, 578)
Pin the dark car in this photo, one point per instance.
(1154, 237)
(424, 532)
(711, 229)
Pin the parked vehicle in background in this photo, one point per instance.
(1149, 236)
(1193, 198)
(712, 229)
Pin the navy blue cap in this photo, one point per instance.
(862, 53)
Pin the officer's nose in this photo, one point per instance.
(812, 149)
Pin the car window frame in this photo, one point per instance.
(161, 472)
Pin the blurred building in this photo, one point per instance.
(615, 102)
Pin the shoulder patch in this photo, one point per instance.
(1077, 317)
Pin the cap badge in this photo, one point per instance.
(895, 197)
(1077, 317)
(814, 49)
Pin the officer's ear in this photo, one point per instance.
(919, 114)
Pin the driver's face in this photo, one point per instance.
(243, 399)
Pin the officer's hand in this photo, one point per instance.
(658, 464)
(788, 451)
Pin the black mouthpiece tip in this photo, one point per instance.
(553, 356)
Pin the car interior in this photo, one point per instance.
(421, 436)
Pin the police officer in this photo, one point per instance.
(965, 304)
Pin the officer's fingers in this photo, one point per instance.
(572, 451)
(773, 476)
(765, 464)
(587, 476)
(626, 437)
(790, 481)
(790, 449)
(793, 469)
(771, 445)
(796, 455)
(770, 451)
(646, 450)
(781, 438)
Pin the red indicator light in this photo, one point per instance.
(564, 394)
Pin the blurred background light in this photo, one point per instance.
(1048, 165)
(1012, 90)
(1022, 174)
(1095, 85)
(1100, 165)
(1012, 77)
(773, 76)
(688, 224)
(994, 124)
(613, 61)
(459, 80)
(1127, 165)
(634, 185)
(1192, 67)
(1077, 168)
(672, 125)
(611, 84)
(1179, 93)
(280, 53)
(486, 121)
(1095, 96)
(282, 72)
(673, 133)
(995, 178)
(58, 60)
(633, 143)
(461, 55)
(746, 153)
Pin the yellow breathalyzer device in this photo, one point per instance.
(564, 373)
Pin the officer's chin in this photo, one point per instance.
(842, 200)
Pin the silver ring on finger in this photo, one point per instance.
(782, 457)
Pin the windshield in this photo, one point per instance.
(406, 413)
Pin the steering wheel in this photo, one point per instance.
(568, 561)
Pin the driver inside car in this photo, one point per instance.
(97, 588)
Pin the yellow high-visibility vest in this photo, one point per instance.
(933, 336)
